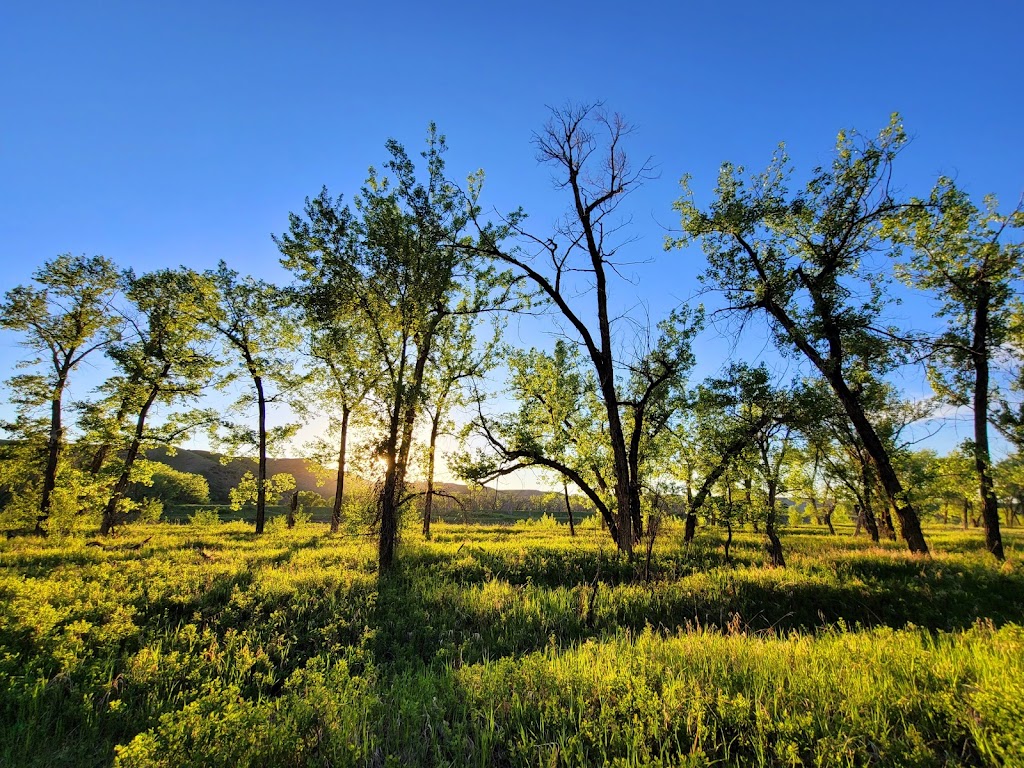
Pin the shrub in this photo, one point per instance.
(204, 517)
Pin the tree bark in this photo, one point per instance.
(293, 507)
(831, 369)
(121, 486)
(982, 457)
(428, 501)
(339, 493)
(568, 509)
(774, 544)
(54, 444)
(261, 479)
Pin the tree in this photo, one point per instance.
(165, 361)
(960, 253)
(251, 491)
(402, 260)
(725, 418)
(64, 318)
(803, 264)
(585, 146)
(455, 359)
(171, 486)
(559, 426)
(343, 376)
(1009, 476)
(252, 319)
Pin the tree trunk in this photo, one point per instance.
(261, 479)
(691, 515)
(568, 509)
(339, 493)
(691, 527)
(867, 509)
(982, 458)
(293, 507)
(826, 514)
(890, 529)
(774, 545)
(110, 511)
(910, 524)
(967, 509)
(428, 501)
(387, 502)
(748, 486)
(403, 419)
(54, 443)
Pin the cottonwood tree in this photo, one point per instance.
(1009, 476)
(65, 317)
(806, 264)
(573, 269)
(343, 374)
(456, 359)
(165, 360)
(721, 425)
(774, 446)
(254, 323)
(808, 484)
(963, 255)
(559, 426)
(403, 261)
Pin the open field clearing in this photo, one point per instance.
(180, 645)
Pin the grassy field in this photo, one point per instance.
(176, 645)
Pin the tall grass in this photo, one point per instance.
(205, 645)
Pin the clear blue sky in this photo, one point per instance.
(181, 133)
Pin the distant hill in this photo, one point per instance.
(222, 477)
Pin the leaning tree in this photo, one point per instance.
(813, 266)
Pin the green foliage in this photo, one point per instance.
(168, 485)
(246, 491)
(204, 517)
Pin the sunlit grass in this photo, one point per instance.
(204, 644)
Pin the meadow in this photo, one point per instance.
(507, 645)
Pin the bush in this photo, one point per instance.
(204, 517)
(171, 486)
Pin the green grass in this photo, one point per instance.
(507, 645)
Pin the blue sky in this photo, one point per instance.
(181, 133)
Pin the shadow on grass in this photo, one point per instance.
(480, 605)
